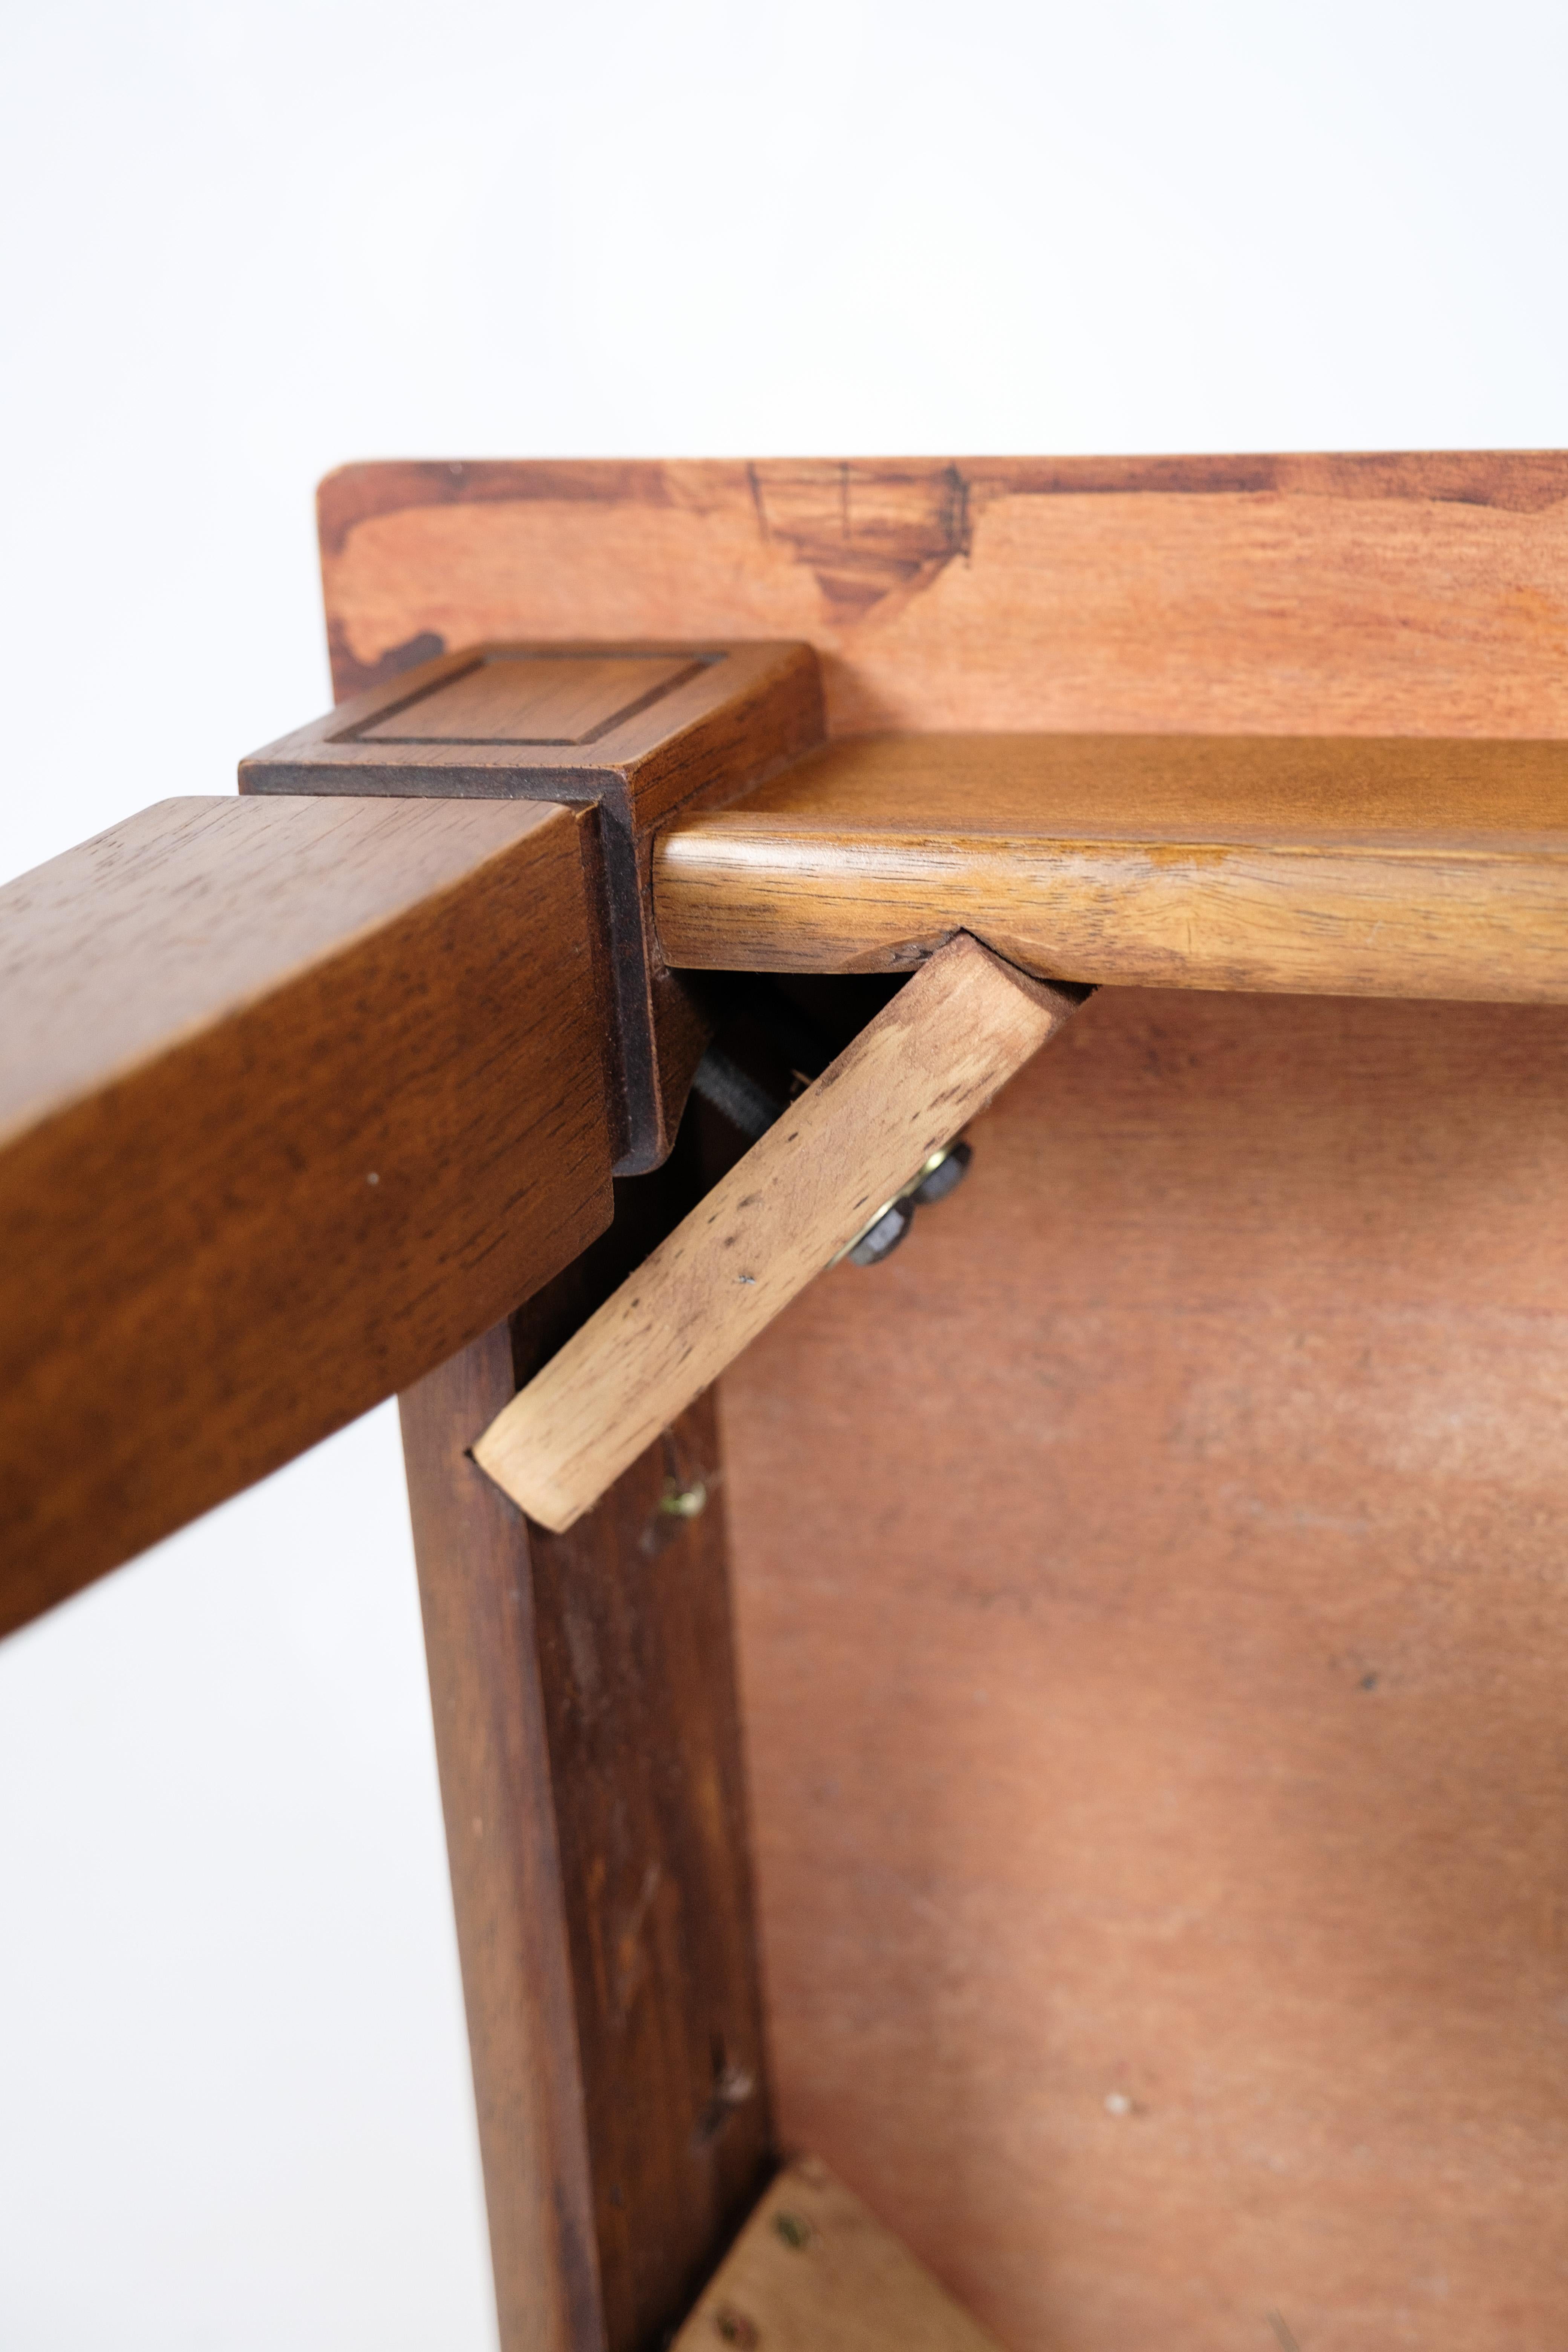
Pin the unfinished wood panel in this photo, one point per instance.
(641, 731)
(814, 2272)
(1340, 866)
(901, 1092)
(296, 1097)
(1414, 594)
(1149, 1589)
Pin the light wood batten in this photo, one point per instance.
(814, 2272)
(902, 1089)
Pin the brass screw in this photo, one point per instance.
(684, 1502)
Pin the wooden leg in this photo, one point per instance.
(632, 1614)
(476, 1592)
(588, 1737)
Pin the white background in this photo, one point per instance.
(244, 243)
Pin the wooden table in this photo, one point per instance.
(1067, 1729)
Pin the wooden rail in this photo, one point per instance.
(1342, 866)
(298, 1096)
(287, 1118)
(797, 1200)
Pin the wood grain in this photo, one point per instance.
(476, 1589)
(1382, 595)
(1148, 1587)
(799, 1197)
(1339, 866)
(532, 701)
(1147, 1582)
(588, 1736)
(814, 2272)
(296, 1097)
(638, 1677)
(640, 731)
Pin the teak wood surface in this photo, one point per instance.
(1344, 866)
(814, 2272)
(298, 1096)
(1147, 1584)
(1378, 595)
(640, 731)
(902, 1091)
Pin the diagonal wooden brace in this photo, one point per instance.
(927, 1064)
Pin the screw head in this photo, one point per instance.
(948, 1174)
(881, 1240)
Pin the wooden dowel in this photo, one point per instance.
(933, 1058)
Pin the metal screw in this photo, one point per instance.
(735, 1094)
(684, 1502)
(942, 1174)
(882, 1235)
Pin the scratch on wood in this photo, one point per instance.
(762, 512)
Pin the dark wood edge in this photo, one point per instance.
(755, 707)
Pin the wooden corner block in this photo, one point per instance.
(814, 2272)
(642, 731)
(910, 1080)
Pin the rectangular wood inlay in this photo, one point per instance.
(535, 698)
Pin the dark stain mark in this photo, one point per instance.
(866, 533)
(357, 494)
(732, 2087)
(1521, 481)
(762, 512)
(1518, 481)
(352, 675)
